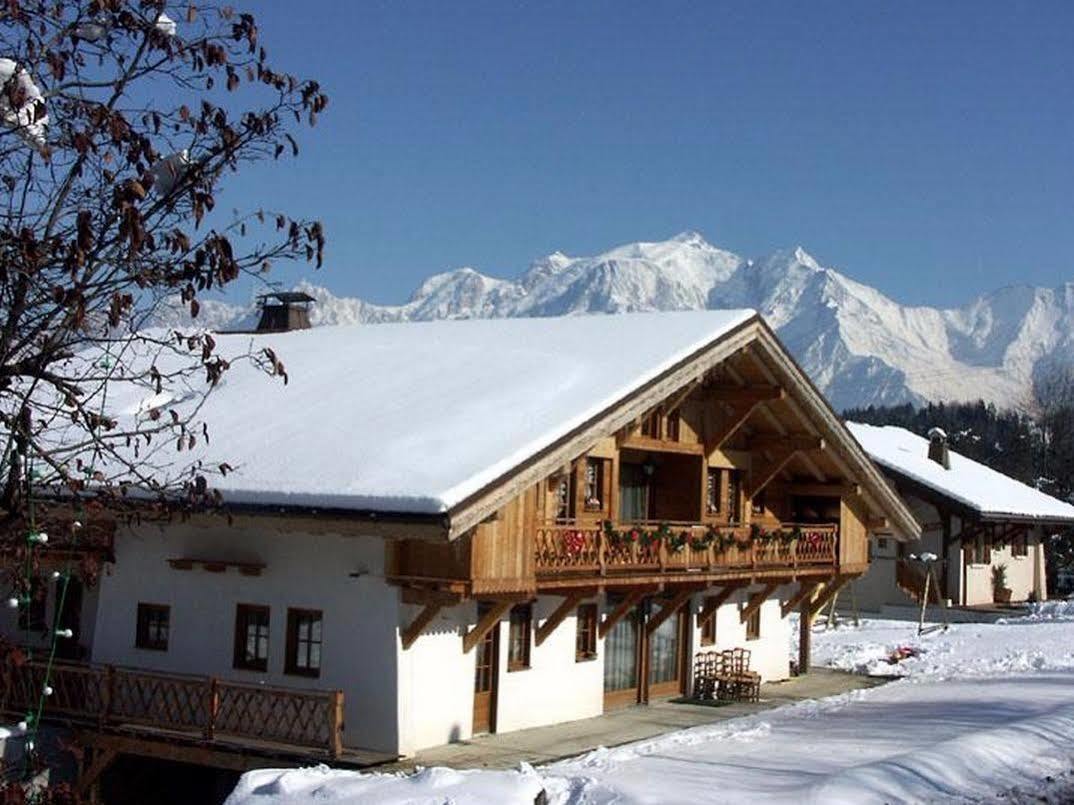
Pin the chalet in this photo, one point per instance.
(443, 529)
(986, 530)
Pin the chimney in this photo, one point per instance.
(938, 447)
(282, 311)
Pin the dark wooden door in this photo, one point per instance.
(69, 616)
(485, 678)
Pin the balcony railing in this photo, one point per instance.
(683, 548)
(206, 708)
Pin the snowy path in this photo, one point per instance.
(984, 708)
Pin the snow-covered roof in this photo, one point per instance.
(991, 493)
(415, 417)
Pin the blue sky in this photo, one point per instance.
(925, 148)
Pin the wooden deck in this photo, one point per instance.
(198, 713)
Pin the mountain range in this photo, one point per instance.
(859, 346)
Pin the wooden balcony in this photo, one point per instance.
(210, 711)
(575, 552)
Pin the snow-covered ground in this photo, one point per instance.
(982, 713)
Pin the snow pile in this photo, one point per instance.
(983, 709)
(1058, 610)
(967, 481)
(321, 784)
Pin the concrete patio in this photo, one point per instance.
(547, 744)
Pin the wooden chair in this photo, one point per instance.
(737, 682)
(708, 667)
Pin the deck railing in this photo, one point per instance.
(211, 709)
(684, 548)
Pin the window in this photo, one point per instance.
(757, 503)
(32, 615)
(982, 550)
(518, 648)
(882, 544)
(303, 642)
(251, 637)
(712, 491)
(672, 427)
(650, 426)
(708, 628)
(594, 484)
(1019, 546)
(563, 489)
(585, 641)
(734, 496)
(153, 624)
(753, 625)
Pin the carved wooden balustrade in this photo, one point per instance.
(685, 548)
(210, 708)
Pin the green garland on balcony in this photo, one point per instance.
(640, 536)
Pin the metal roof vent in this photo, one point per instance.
(284, 310)
(938, 447)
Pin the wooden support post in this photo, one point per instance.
(761, 476)
(805, 635)
(335, 740)
(417, 626)
(484, 625)
(738, 415)
(570, 603)
(668, 609)
(616, 615)
(213, 703)
(102, 759)
(756, 600)
(804, 591)
(713, 603)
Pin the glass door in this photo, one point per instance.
(621, 661)
(665, 656)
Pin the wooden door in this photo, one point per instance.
(485, 678)
(665, 659)
(622, 661)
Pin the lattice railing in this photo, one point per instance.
(566, 549)
(210, 707)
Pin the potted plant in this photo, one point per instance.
(1001, 593)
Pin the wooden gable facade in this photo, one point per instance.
(730, 470)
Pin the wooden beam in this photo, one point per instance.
(102, 759)
(417, 626)
(825, 490)
(747, 394)
(756, 600)
(484, 625)
(616, 615)
(677, 399)
(830, 590)
(800, 441)
(570, 603)
(761, 477)
(668, 609)
(804, 591)
(714, 602)
(805, 638)
(738, 415)
(429, 595)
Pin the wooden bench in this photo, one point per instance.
(726, 676)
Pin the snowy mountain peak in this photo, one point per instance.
(858, 345)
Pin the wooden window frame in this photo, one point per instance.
(713, 491)
(734, 496)
(563, 497)
(650, 425)
(708, 628)
(294, 618)
(33, 615)
(243, 613)
(585, 638)
(1020, 546)
(145, 613)
(598, 501)
(520, 637)
(673, 427)
(753, 625)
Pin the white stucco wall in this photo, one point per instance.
(360, 614)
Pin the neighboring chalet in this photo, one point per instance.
(986, 529)
(443, 529)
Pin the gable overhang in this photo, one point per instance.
(754, 333)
